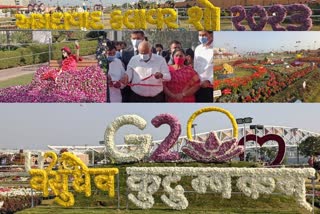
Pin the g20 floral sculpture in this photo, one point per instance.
(211, 151)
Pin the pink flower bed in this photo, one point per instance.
(86, 85)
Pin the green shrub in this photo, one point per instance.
(38, 53)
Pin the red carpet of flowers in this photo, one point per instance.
(260, 85)
(86, 85)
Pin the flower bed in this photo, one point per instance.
(16, 199)
(259, 86)
(86, 85)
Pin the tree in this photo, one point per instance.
(310, 146)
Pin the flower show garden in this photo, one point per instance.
(100, 202)
(205, 175)
(279, 78)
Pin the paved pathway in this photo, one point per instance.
(9, 73)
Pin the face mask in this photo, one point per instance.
(135, 43)
(104, 44)
(203, 39)
(145, 57)
(179, 60)
(118, 54)
(111, 58)
(159, 53)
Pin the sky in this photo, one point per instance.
(266, 41)
(34, 126)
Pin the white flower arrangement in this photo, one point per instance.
(252, 186)
(176, 199)
(142, 142)
(251, 181)
(218, 184)
(141, 183)
(27, 161)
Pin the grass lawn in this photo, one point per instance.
(99, 202)
(243, 72)
(21, 80)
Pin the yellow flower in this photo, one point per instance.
(140, 19)
(55, 23)
(212, 19)
(65, 199)
(53, 157)
(195, 15)
(95, 20)
(74, 19)
(22, 21)
(155, 17)
(39, 180)
(85, 20)
(209, 109)
(171, 20)
(116, 20)
(66, 20)
(128, 19)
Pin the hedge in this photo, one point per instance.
(24, 55)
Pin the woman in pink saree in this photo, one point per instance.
(184, 80)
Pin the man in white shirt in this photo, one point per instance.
(146, 73)
(203, 64)
(115, 73)
(136, 38)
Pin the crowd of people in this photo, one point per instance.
(143, 72)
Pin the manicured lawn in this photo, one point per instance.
(22, 80)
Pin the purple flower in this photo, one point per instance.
(163, 153)
(237, 19)
(86, 85)
(280, 15)
(303, 17)
(263, 18)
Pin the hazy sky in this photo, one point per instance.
(34, 126)
(266, 41)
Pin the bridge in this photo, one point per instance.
(291, 136)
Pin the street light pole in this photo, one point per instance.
(293, 131)
(244, 121)
(256, 127)
(194, 130)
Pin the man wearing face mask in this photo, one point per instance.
(203, 64)
(146, 73)
(159, 49)
(173, 46)
(115, 73)
(136, 38)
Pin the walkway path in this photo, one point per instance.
(9, 73)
